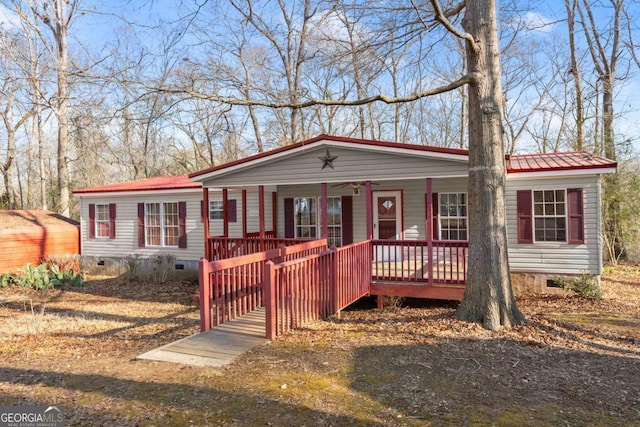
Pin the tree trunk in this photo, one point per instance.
(575, 72)
(488, 297)
(61, 26)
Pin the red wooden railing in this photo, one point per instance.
(353, 275)
(232, 287)
(306, 281)
(314, 287)
(229, 247)
(442, 261)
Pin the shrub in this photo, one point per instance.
(46, 276)
(162, 265)
(64, 263)
(585, 284)
(133, 265)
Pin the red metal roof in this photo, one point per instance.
(149, 184)
(556, 162)
(515, 163)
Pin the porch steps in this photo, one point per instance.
(216, 347)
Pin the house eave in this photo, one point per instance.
(138, 193)
(554, 173)
(330, 143)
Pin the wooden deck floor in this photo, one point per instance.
(217, 347)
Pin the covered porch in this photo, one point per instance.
(401, 263)
(307, 229)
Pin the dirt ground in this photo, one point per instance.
(576, 362)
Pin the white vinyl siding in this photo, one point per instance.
(126, 242)
(556, 257)
(413, 199)
(350, 165)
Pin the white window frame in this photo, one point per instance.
(299, 227)
(555, 216)
(445, 216)
(100, 220)
(163, 226)
(318, 216)
(212, 210)
(335, 230)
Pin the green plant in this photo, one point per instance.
(42, 279)
(6, 280)
(64, 263)
(585, 284)
(46, 276)
(36, 278)
(162, 265)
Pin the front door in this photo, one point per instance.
(387, 215)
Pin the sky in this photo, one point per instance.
(153, 19)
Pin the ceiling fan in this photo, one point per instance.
(354, 185)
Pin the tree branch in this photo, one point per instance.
(466, 79)
(442, 18)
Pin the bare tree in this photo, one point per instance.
(571, 7)
(13, 112)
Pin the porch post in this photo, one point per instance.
(429, 229)
(205, 220)
(225, 215)
(261, 214)
(274, 212)
(369, 209)
(324, 221)
(244, 212)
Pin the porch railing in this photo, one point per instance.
(229, 247)
(315, 287)
(442, 262)
(232, 287)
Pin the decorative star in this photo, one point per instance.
(327, 160)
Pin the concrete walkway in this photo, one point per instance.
(217, 347)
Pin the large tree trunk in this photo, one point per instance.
(488, 297)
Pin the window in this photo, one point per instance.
(161, 224)
(549, 216)
(334, 220)
(306, 217)
(302, 219)
(216, 210)
(453, 216)
(102, 221)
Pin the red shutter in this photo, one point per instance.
(347, 220)
(575, 216)
(92, 221)
(525, 217)
(436, 221)
(289, 220)
(182, 224)
(141, 239)
(112, 220)
(232, 210)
